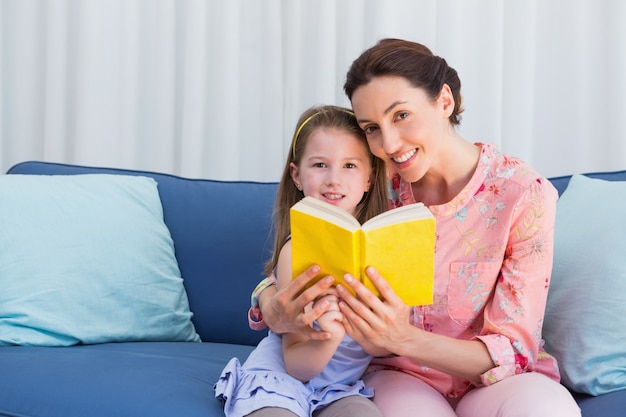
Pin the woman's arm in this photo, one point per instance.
(304, 357)
(386, 325)
(513, 319)
(283, 311)
(510, 338)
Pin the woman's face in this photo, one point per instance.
(335, 167)
(403, 126)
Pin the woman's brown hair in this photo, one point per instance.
(410, 60)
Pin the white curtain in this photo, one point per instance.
(213, 89)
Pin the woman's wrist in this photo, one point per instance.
(261, 286)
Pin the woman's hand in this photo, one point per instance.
(380, 326)
(384, 326)
(284, 310)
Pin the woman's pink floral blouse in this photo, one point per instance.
(493, 263)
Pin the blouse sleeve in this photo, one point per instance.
(513, 320)
(255, 318)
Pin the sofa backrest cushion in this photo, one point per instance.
(87, 259)
(561, 182)
(586, 315)
(221, 233)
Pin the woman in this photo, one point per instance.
(477, 350)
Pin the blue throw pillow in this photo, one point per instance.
(87, 259)
(585, 319)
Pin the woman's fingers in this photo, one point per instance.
(386, 292)
(298, 285)
(373, 322)
(296, 295)
(293, 299)
(361, 309)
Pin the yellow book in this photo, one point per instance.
(399, 243)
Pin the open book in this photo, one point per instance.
(398, 243)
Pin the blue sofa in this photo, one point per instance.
(221, 237)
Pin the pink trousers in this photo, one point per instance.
(526, 395)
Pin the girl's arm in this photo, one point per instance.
(304, 357)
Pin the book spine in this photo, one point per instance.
(360, 259)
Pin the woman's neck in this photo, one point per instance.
(447, 177)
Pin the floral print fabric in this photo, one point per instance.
(493, 262)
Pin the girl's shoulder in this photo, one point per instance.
(282, 272)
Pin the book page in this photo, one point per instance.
(327, 211)
(404, 255)
(399, 215)
(333, 248)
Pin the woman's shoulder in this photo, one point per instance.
(497, 164)
(502, 168)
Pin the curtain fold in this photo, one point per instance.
(213, 89)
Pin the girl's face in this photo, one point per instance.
(403, 126)
(335, 167)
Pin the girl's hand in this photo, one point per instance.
(284, 310)
(331, 321)
(381, 326)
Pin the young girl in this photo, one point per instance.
(290, 374)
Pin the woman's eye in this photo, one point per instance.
(369, 129)
(402, 115)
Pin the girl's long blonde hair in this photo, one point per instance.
(374, 201)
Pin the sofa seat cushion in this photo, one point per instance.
(607, 405)
(116, 379)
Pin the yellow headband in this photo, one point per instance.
(307, 120)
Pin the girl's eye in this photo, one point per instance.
(319, 165)
(350, 165)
